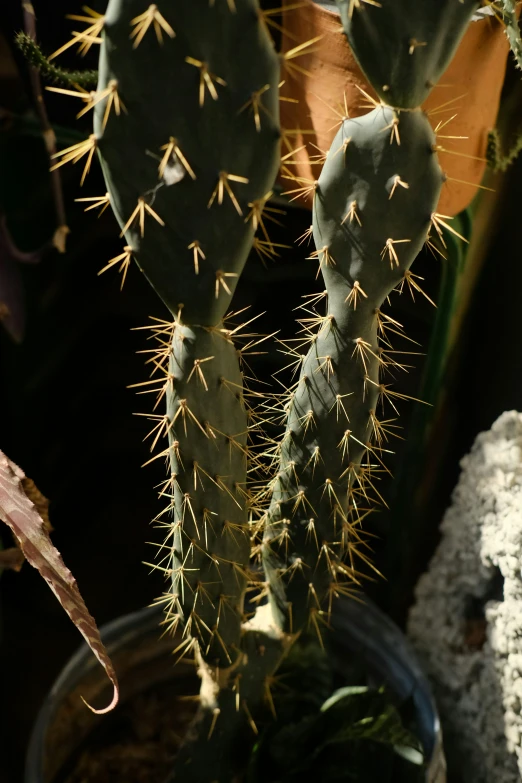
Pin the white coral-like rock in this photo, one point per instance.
(466, 624)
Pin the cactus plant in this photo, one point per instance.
(373, 208)
(404, 48)
(188, 206)
(186, 129)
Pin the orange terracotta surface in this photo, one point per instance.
(468, 95)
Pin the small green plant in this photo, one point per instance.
(332, 734)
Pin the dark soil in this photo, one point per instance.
(137, 744)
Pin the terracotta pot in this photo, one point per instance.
(467, 96)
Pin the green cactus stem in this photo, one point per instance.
(189, 158)
(87, 79)
(404, 46)
(207, 427)
(494, 153)
(373, 208)
(508, 9)
(186, 126)
(217, 745)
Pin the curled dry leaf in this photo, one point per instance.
(31, 532)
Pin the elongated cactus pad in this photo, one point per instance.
(373, 210)
(186, 125)
(404, 46)
(188, 139)
(207, 426)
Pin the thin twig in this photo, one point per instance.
(49, 137)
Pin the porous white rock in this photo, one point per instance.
(466, 623)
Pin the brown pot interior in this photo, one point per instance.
(144, 667)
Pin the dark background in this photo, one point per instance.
(66, 414)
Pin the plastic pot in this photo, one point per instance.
(143, 658)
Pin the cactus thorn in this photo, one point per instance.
(363, 349)
(142, 23)
(139, 213)
(339, 405)
(352, 215)
(373, 103)
(440, 148)
(438, 222)
(124, 259)
(199, 372)
(98, 202)
(89, 36)
(392, 253)
(411, 281)
(324, 256)
(396, 182)
(75, 153)
(206, 79)
(221, 281)
(265, 17)
(298, 51)
(197, 254)
(357, 5)
(256, 105)
(466, 182)
(308, 188)
(353, 297)
(314, 459)
(184, 411)
(443, 107)
(393, 127)
(306, 236)
(326, 365)
(223, 187)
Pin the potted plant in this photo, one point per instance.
(188, 137)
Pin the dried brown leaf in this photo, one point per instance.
(32, 534)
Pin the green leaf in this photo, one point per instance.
(357, 735)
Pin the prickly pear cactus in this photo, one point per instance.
(188, 139)
(404, 46)
(189, 157)
(373, 209)
(186, 128)
(208, 439)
